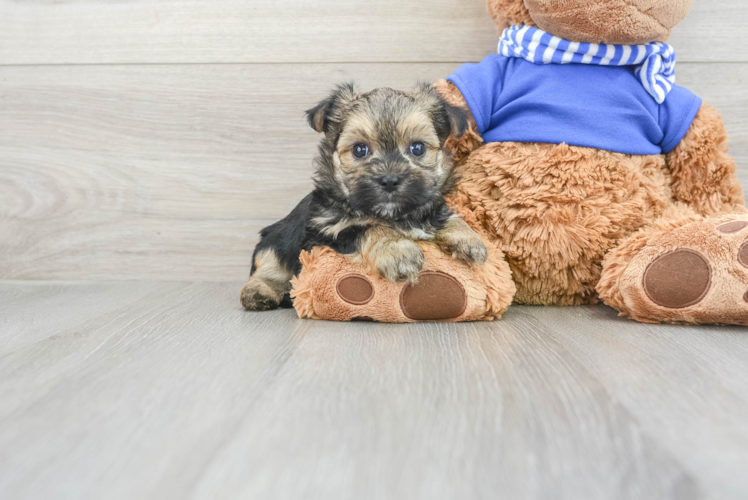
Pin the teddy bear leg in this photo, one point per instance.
(685, 269)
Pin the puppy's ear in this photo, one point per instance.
(448, 120)
(329, 112)
(451, 121)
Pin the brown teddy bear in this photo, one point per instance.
(590, 171)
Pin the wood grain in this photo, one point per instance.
(235, 31)
(291, 31)
(169, 172)
(178, 393)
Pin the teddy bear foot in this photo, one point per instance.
(331, 286)
(696, 273)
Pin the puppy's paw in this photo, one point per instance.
(400, 260)
(257, 295)
(465, 246)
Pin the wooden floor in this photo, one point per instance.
(136, 390)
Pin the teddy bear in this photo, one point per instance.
(590, 173)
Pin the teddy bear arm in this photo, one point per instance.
(461, 147)
(704, 175)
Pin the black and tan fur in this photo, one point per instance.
(351, 211)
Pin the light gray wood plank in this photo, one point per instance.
(169, 172)
(188, 396)
(262, 31)
(132, 403)
(43, 311)
(439, 411)
(682, 384)
(230, 31)
(705, 34)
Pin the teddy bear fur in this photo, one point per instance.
(578, 225)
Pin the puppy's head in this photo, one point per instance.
(383, 151)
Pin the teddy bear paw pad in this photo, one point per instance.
(732, 227)
(678, 279)
(743, 255)
(436, 296)
(355, 289)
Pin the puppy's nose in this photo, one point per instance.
(390, 183)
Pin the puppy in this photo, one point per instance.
(382, 174)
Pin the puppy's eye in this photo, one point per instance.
(360, 150)
(417, 149)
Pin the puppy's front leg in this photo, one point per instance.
(395, 257)
(461, 242)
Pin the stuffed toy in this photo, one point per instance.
(593, 176)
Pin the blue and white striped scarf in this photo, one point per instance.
(655, 61)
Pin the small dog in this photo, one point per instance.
(382, 174)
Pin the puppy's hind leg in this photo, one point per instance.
(269, 283)
(276, 260)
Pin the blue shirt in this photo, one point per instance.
(603, 107)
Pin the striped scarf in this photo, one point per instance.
(655, 61)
